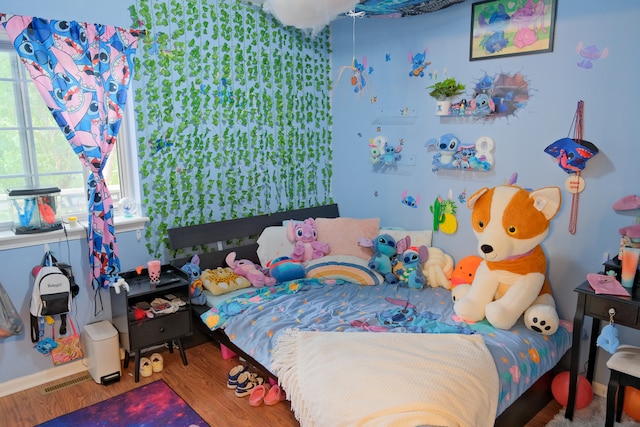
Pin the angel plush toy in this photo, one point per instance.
(304, 236)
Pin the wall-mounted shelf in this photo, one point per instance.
(468, 118)
(404, 115)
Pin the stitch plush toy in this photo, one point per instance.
(410, 271)
(510, 223)
(304, 237)
(192, 268)
(384, 255)
(246, 268)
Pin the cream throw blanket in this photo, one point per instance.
(387, 379)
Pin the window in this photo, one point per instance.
(35, 153)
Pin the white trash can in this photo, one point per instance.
(102, 352)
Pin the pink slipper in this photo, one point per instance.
(627, 203)
(275, 395)
(258, 394)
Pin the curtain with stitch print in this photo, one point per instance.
(83, 72)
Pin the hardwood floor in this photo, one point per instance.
(202, 384)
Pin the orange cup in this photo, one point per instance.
(629, 266)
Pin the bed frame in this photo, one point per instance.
(226, 234)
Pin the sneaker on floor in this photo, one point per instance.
(232, 376)
(247, 381)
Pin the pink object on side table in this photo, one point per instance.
(153, 268)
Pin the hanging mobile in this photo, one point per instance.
(572, 155)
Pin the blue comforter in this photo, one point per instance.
(255, 320)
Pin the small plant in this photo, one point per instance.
(445, 89)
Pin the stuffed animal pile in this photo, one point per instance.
(398, 261)
(510, 223)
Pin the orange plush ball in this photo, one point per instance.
(632, 402)
(560, 390)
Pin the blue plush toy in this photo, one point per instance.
(409, 268)
(384, 255)
(608, 338)
(192, 268)
(284, 269)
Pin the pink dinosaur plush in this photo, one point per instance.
(304, 236)
(246, 268)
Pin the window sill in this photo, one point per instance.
(9, 240)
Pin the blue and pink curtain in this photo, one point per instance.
(83, 72)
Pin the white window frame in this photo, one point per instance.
(129, 187)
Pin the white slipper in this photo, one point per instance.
(156, 362)
(145, 367)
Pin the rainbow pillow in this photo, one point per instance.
(343, 267)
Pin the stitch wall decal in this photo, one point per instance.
(590, 54)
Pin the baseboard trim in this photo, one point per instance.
(42, 377)
(599, 389)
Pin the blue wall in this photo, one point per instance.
(17, 356)
(609, 90)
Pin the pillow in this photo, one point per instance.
(284, 269)
(418, 237)
(343, 267)
(223, 280)
(342, 235)
(273, 243)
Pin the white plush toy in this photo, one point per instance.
(120, 284)
(438, 268)
(510, 223)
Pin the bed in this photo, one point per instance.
(406, 342)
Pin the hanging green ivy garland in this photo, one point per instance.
(232, 114)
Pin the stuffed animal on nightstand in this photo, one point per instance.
(192, 268)
(510, 223)
(304, 236)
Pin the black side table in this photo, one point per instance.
(138, 334)
(597, 306)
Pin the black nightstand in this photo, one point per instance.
(597, 306)
(136, 335)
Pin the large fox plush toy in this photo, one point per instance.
(510, 223)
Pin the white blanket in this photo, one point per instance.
(387, 379)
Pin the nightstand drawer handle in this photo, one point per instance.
(612, 312)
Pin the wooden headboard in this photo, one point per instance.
(222, 232)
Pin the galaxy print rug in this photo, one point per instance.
(154, 404)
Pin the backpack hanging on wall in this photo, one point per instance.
(52, 294)
(10, 321)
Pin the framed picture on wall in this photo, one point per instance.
(502, 28)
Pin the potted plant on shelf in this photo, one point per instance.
(443, 92)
